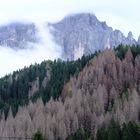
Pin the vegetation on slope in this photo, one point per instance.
(122, 49)
(44, 80)
(113, 131)
(102, 101)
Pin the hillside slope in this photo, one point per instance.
(103, 100)
(44, 80)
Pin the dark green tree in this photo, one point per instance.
(38, 135)
(113, 131)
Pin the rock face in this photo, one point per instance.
(77, 35)
(84, 33)
(138, 40)
(17, 35)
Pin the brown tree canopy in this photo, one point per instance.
(106, 88)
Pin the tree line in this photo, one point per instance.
(101, 101)
(44, 80)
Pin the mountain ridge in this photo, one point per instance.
(84, 32)
(77, 35)
(17, 35)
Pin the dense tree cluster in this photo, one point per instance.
(58, 119)
(121, 50)
(113, 131)
(100, 102)
(80, 135)
(15, 88)
(44, 80)
(116, 77)
(87, 99)
(38, 135)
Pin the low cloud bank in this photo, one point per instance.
(11, 60)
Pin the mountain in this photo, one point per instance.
(44, 80)
(84, 34)
(77, 34)
(17, 35)
(95, 97)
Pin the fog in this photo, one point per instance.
(11, 60)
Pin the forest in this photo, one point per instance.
(96, 97)
(44, 80)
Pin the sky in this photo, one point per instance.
(119, 14)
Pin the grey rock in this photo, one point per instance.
(84, 34)
(138, 40)
(78, 35)
(130, 39)
(17, 35)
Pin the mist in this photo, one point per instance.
(11, 60)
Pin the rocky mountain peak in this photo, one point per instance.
(138, 40)
(130, 35)
(86, 32)
(17, 35)
(82, 17)
(130, 39)
(77, 34)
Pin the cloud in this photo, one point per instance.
(11, 60)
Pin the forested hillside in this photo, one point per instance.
(96, 97)
(40, 80)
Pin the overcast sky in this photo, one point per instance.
(119, 14)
